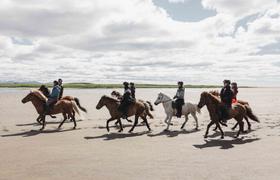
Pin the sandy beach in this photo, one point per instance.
(90, 152)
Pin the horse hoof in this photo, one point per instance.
(222, 137)
(120, 130)
(205, 136)
(166, 130)
(196, 129)
(74, 127)
(130, 131)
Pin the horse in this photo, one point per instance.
(138, 109)
(44, 89)
(65, 107)
(188, 108)
(245, 103)
(146, 103)
(214, 104)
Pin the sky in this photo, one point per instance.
(145, 41)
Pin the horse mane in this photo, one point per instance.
(214, 97)
(165, 95)
(40, 95)
(215, 93)
(110, 98)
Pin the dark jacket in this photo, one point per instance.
(132, 89)
(61, 92)
(226, 95)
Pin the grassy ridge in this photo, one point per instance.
(94, 86)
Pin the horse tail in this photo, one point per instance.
(197, 109)
(75, 107)
(150, 105)
(79, 105)
(251, 115)
(148, 110)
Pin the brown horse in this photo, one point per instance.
(245, 103)
(238, 112)
(62, 106)
(146, 103)
(44, 89)
(112, 105)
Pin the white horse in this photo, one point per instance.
(188, 108)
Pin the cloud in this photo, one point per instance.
(112, 41)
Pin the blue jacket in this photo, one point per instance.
(55, 92)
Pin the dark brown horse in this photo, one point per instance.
(62, 106)
(137, 109)
(245, 103)
(213, 103)
(146, 103)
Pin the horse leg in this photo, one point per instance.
(207, 130)
(222, 132)
(107, 123)
(248, 123)
(135, 123)
(233, 128)
(43, 123)
(39, 119)
(186, 120)
(120, 123)
(146, 122)
(241, 127)
(65, 117)
(196, 120)
(74, 120)
(168, 123)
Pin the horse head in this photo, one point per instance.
(161, 98)
(32, 95)
(27, 98)
(203, 98)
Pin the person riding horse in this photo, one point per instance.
(132, 89)
(52, 98)
(234, 88)
(61, 88)
(179, 98)
(126, 100)
(226, 98)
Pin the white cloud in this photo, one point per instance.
(112, 41)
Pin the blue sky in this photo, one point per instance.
(146, 41)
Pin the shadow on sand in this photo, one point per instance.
(224, 144)
(173, 133)
(113, 136)
(37, 132)
(37, 124)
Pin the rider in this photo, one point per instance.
(52, 99)
(132, 89)
(126, 100)
(61, 88)
(234, 88)
(179, 98)
(226, 98)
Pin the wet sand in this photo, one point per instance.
(89, 152)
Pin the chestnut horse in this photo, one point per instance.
(245, 103)
(44, 89)
(213, 103)
(138, 109)
(62, 106)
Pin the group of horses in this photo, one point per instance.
(68, 106)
